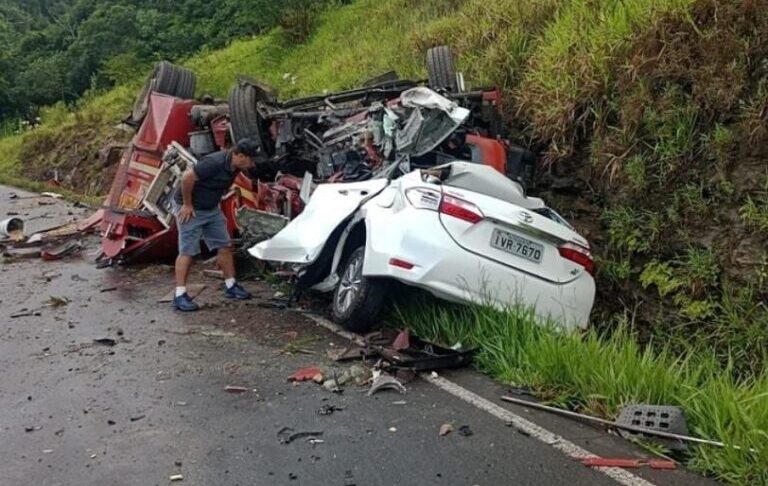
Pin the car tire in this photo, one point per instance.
(244, 118)
(441, 71)
(165, 78)
(358, 302)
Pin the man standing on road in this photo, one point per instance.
(198, 216)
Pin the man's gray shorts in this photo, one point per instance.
(208, 225)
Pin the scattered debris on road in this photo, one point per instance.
(287, 435)
(465, 431)
(445, 429)
(382, 381)
(54, 301)
(328, 409)
(105, 341)
(312, 373)
(237, 389)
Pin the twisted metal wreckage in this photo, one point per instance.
(398, 180)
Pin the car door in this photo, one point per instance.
(303, 238)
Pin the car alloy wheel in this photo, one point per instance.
(350, 285)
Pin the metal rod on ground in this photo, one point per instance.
(631, 428)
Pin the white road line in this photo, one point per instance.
(539, 433)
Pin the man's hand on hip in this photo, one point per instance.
(186, 213)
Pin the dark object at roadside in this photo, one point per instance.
(235, 389)
(105, 341)
(58, 252)
(465, 431)
(655, 417)
(425, 356)
(108, 289)
(329, 409)
(628, 463)
(24, 313)
(137, 418)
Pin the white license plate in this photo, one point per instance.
(517, 246)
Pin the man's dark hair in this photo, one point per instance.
(248, 147)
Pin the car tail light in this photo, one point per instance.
(461, 209)
(423, 198)
(578, 254)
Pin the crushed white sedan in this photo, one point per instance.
(461, 231)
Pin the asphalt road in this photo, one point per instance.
(154, 405)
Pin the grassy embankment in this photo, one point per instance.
(652, 117)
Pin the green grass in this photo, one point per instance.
(599, 373)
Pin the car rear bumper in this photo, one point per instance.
(450, 272)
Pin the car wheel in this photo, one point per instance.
(358, 301)
(440, 69)
(244, 118)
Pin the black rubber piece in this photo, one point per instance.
(365, 312)
(245, 119)
(441, 71)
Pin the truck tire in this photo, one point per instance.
(165, 78)
(185, 88)
(441, 71)
(358, 301)
(245, 119)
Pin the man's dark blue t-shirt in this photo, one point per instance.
(215, 176)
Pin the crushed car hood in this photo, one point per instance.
(303, 238)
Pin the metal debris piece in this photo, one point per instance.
(67, 248)
(465, 431)
(382, 381)
(105, 341)
(236, 389)
(25, 313)
(445, 429)
(329, 409)
(286, 438)
(176, 477)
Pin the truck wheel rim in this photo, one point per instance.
(350, 284)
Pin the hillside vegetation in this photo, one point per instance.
(651, 121)
(54, 50)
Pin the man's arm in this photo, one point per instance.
(188, 180)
